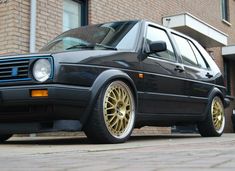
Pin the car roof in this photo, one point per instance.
(148, 22)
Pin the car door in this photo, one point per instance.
(198, 74)
(164, 77)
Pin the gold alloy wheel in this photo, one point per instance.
(218, 117)
(119, 109)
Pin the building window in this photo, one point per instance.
(74, 14)
(225, 10)
(227, 76)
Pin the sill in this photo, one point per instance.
(230, 97)
(226, 22)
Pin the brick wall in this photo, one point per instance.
(154, 10)
(14, 26)
(49, 20)
(5, 19)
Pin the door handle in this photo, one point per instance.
(209, 75)
(179, 68)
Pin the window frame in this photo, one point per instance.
(169, 38)
(224, 5)
(206, 63)
(182, 59)
(191, 42)
(84, 11)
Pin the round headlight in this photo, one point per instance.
(42, 70)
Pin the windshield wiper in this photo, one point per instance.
(105, 46)
(91, 46)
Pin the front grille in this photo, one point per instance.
(14, 69)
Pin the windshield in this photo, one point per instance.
(115, 35)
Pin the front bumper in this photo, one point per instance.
(64, 102)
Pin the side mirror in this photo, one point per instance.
(157, 46)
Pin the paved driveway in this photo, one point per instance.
(164, 153)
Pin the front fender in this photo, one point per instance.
(102, 80)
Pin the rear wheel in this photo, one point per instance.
(4, 137)
(113, 118)
(215, 121)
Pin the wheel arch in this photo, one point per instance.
(102, 80)
(214, 92)
(207, 127)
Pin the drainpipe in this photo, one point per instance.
(33, 12)
(32, 41)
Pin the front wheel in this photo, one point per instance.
(214, 124)
(113, 118)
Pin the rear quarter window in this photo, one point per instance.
(200, 59)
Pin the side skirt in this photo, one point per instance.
(167, 119)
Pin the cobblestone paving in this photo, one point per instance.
(157, 153)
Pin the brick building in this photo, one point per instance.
(27, 25)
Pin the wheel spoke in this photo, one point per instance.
(117, 93)
(110, 120)
(125, 120)
(123, 124)
(126, 100)
(128, 112)
(124, 97)
(216, 122)
(109, 108)
(120, 125)
(120, 93)
(113, 93)
(110, 103)
(114, 124)
(111, 97)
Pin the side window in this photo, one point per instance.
(155, 34)
(200, 59)
(186, 51)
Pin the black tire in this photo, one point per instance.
(214, 124)
(4, 137)
(113, 117)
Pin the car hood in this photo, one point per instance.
(81, 56)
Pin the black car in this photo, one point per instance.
(109, 78)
